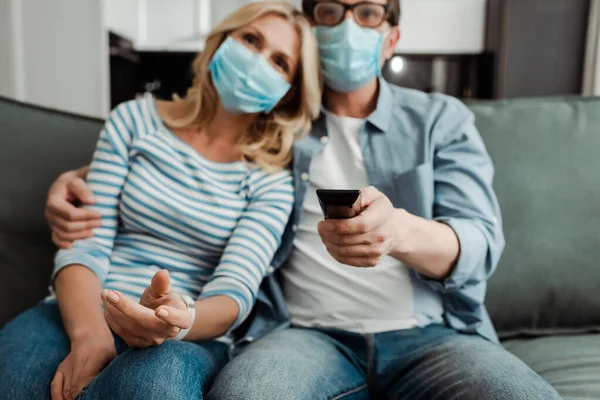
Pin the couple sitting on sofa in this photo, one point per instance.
(191, 206)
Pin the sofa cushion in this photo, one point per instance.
(36, 145)
(546, 154)
(569, 363)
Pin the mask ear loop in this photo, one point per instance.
(382, 38)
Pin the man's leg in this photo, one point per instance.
(439, 363)
(294, 364)
(173, 370)
(31, 347)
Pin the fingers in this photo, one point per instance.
(129, 338)
(338, 227)
(76, 376)
(124, 305)
(71, 237)
(66, 389)
(117, 302)
(373, 238)
(174, 316)
(56, 386)
(59, 207)
(343, 240)
(171, 299)
(356, 225)
(373, 216)
(161, 284)
(63, 244)
(80, 190)
(69, 223)
(362, 251)
(75, 388)
(361, 262)
(368, 195)
(361, 255)
(61, 225)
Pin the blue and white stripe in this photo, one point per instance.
(214, 226)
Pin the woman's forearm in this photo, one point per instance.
(78, 292)
(214, 317)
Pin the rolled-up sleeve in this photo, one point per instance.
(465, 199)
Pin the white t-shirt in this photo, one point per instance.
(321, 292)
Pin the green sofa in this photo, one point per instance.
(544, 298)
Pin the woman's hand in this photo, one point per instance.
(67, 221)
(140, 326)
(87, 358)
(160, 293)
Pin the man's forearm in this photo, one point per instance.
(214, 317)
(78, 293)
(431, 248)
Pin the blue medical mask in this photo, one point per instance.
(349, 55)
(245, 80)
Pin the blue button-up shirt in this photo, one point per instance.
(425, 154)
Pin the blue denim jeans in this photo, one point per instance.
(35, 343)
(423, 363)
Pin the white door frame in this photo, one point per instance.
(591, 73)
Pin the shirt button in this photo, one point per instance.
(270, 270)
(304, 176)
(495, 220)
(295, 228)
(324, 139)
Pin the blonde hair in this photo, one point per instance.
(268, 141)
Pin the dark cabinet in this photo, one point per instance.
(165, 73)
(124, 69)
(535, 47)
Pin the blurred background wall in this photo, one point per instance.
(87, 56)
(55, 54)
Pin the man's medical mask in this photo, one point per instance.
(349, 54)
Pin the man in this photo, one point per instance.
(388, 304)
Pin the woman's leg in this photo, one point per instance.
(173, 370)
(31, 347)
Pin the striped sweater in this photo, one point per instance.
(214, 226)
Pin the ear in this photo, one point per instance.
(390, 42)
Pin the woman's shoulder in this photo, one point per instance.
(139, 116)
(127, 108)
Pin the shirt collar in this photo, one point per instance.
(379, 118)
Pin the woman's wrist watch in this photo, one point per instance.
(191, 307)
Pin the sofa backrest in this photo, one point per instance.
(36, 145)
(547, 158)
(547, 179)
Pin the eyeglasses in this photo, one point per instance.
(366, 14)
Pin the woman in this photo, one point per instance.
(196, 186)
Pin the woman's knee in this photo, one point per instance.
(32, 346)
(173, 370)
